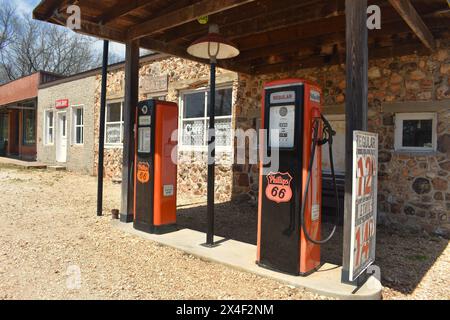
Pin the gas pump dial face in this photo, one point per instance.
(282, 126)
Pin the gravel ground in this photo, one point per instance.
(50, 235)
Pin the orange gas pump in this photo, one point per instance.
(290, 195)
(155, 174)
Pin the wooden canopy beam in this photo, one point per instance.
(93, 29)
(178, 51)
(232, 19)
(415, 22)
(356, 107)
(283, 46)
(182, 16)
(118, 11)
(313, 61)
(52, 6)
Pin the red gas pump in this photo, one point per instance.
(155, 174)
(289, 211)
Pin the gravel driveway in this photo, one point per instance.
(54, 247)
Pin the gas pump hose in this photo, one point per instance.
(328, 131)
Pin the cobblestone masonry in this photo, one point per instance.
(182, 75)
(414, 189)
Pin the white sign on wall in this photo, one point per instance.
(364, 202)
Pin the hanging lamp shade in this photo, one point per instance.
(213, 45)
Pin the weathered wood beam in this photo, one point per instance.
(293, 65)
(228, 20)
(415, 22)
(121, 10)
(292, 45)
(52, 5)
(95, 30)
(159, 46)
(182, 16)
(356, 107)
(129, 112)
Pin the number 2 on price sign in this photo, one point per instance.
(364, 173)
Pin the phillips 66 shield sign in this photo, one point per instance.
(279, 187)
(364, 202)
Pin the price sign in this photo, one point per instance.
(364, 202)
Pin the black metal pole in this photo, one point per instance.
(101, 134)
(211, 157)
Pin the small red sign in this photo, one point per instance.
(279, 187)
(62, 103)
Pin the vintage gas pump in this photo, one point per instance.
(289, 211)
(155, 177)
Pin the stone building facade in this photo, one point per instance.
(179, 76)
(414, 186)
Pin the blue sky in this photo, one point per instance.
(26, 7)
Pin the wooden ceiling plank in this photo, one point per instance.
(415, 22)
(93, 29)
(121, 10)
(182, 16)
(312, 61)
(227, 20)
(52, 5)
(163, 47)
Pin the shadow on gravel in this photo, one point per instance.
(404, 258)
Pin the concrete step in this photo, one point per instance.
(11, 162)
(57, 168)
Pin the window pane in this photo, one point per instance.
(29, 127)
(64, 125)
(113, 112)
(79, 116)
(113, 133)
(50, 135)
(193, 133)
(79, 135)
(417, 133)
(223, 132)
(194, 105)
(223, 102)
(3, 126)
(50, 119)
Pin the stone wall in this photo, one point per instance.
(182, 75)
(414, 189)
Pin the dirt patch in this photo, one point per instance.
(59, 249)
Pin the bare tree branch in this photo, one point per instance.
(27, 46)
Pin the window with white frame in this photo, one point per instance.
(195, 118)
(78, 124)
(49, 127)
(415, 131)
(114, 124)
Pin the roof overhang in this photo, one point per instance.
(272, 35)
